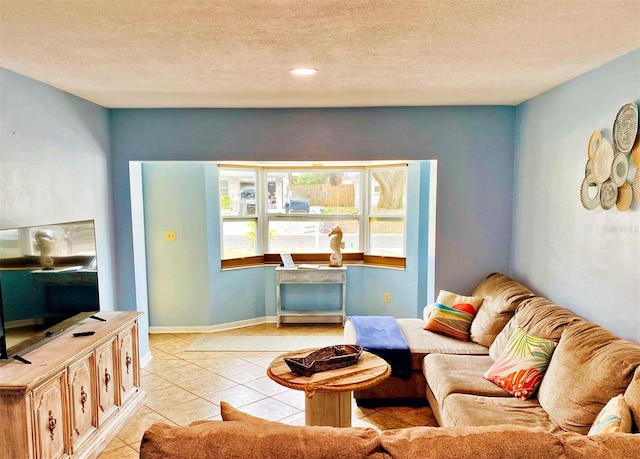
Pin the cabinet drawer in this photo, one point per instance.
(311, 276)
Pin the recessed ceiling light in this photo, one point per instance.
(303, 71)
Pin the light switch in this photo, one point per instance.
(171, 236)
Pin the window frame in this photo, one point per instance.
(263, 217)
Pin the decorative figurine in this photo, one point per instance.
(336, 244)
(44, 241)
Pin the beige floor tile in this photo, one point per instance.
(237, 396)
(206, 387)
(267, 386)
(295, 398)
(186, 413)
(171, 347)
(134, 430)
(244, 373)
(125, 452)
(151, 382)
(221, 363)
(168, 396)
(294, 420)
(184, 373)
(270, 409)
(115, 444)
(160, 366)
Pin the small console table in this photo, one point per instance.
(321, 275)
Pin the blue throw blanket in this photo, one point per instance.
(382, 336)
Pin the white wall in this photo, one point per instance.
(586, 261)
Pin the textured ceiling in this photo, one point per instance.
(237, 53)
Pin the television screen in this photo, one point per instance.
(48, 276)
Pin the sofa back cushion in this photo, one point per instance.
(589, 367)
(539, 317)
(465, 442)
(501, 297)
(245, 440)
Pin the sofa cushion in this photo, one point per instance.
(476, 410)
(422, 342)
(537, 316)
(466, 442)
(614, 417)
(459, 374)
(521, 366)
(501, 295)
(589, 367)
(208, 439)
(452, 315)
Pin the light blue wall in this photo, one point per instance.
(188, 288)
(587, 261)
(54, 165)
(473, 146)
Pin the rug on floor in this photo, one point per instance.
(262, 343)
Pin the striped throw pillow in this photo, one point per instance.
(452, 315)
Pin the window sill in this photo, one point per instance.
(348, 259)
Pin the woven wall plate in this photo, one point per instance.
(590, 187)
(588, 168)
(625, 128)
(635, 152)
(602, 162)
(619, 169)
(594, 143)
(636, 186)
(608, 195)
(625, 196)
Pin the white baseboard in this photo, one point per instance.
(214, 328)
(145, 359)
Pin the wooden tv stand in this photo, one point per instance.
(76, 394)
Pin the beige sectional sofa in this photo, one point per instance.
(590, 365)
(243, 436)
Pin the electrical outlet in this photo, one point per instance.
(171, 236)
(387, 297)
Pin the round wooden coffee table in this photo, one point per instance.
(328, 393)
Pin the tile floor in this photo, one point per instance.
(183, 387)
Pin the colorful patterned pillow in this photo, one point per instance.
(614, 417)
(521, 366)
(452, 315)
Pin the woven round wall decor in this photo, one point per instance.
(608, 195)
(625, 196)
(619, 169)
(635, 152)
(602, 162)
(625, 128)
(636, 186)
(590, 187)
(594, 143)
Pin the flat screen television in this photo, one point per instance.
(48, 282)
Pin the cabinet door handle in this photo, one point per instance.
(52, 424)
(107, 379)
(83, 397)
(127, 361)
